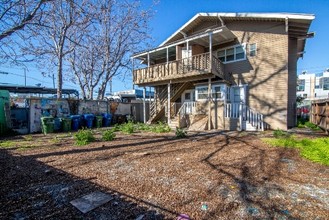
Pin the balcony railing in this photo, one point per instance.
(192, 66)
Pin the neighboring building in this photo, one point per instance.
(312, 86)
(227, 71)
(133, 94)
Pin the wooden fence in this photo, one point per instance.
(320, 114)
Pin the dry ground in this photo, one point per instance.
(210, 175)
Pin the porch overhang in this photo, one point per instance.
(219, 35)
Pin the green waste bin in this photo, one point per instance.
(47, 125)
(66, 124)
(99, 120)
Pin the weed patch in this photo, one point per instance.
(316, 150)
(108, 135)
(83, 137)
(180, 133)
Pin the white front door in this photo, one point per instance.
(238, 94)
(189, 98)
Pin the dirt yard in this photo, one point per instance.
(210, 175)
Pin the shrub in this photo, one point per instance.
(142, 127)
(83, 137)
(160, 128)
(180, 133)
(127, 128)
(108, 135)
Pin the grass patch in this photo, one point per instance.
(304, 123)
(130, 127)
(7, 144)
(83, 137)
(316, 150)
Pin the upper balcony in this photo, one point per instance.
(186, 57)
(191, 68)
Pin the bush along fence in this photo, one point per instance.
(320, 114)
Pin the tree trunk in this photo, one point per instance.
(59, 77)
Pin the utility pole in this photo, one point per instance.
(25, 76)
(53, 80)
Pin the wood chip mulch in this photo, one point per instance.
(208, 175)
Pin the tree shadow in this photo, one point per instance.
(30, 189)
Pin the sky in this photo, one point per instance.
(170, 15)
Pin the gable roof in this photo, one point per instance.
(302, 21)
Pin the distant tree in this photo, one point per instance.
(116, 31)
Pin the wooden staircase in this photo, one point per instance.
(157, 107)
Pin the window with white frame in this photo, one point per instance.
(216, 92)
(252, 50)
(231, 54)
(201, 92)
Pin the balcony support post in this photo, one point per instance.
(168, 102)
(144, 105)
(210, 51)
(209, 104)
(134, 77)
(167, 64)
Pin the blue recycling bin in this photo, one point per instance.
(89, 118)
(75, 122)
(107, 118)
(57, 124)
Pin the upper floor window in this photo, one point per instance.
(324, 83)
(252, 50)
(231, 54)
(301, 85)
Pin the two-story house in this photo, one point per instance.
(227, 71)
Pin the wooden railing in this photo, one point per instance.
(192, 66)
(245, 114)
(160, 102)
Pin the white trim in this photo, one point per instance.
(233, 46)
(243, 15)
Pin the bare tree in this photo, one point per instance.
(117, 30)
(14, 16)
(55, 37)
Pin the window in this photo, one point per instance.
(202, 92)
(216, 92)
(236, 94)
(324, 83)
(301, 85)
(252, 50)
(188, 96)
(231, 54)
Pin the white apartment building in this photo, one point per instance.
(312, 86)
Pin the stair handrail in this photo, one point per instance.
(237, 110)
(253, 117)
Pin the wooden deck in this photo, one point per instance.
(196, 66)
